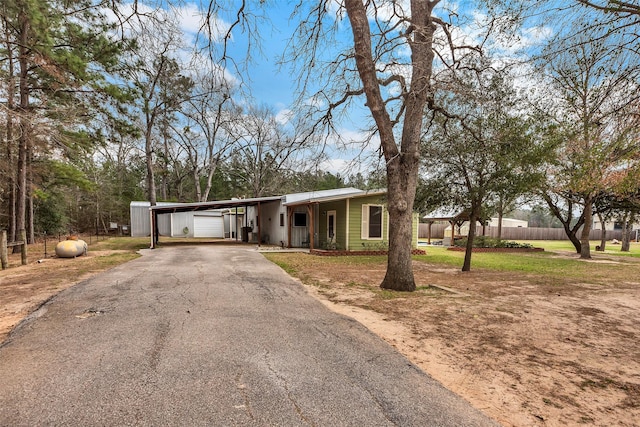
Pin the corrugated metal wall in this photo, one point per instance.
(139, 219)
(170, 224)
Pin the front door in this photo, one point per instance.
(331, 226)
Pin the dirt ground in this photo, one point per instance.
(525, 352)
(24, 288)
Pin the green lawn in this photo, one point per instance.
(565, 245)
(547, 263)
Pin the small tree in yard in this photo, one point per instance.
(486, 151)
(593, 82)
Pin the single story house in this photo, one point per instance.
(344, 218)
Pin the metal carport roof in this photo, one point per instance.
(201, 206)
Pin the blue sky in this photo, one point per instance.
(273, 85)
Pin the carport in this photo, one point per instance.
(154, 211)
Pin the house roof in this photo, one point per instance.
(147, 204)
(287, 200)
(202, 206)
(328, 195)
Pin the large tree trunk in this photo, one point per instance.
(151, 180)
(11, 177)
(402, 162)
(148, 150)
(212, 170)
(165, 163)
(500, 215)
(196, 181)
(399, 275)
(25, 127)
(585, 247)
(31, 234)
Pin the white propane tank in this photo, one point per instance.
(71, 248)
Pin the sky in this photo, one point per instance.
(273, 85)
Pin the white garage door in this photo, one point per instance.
(208, 226)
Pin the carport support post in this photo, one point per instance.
(152, 223)
(289, 217)
(259, 221)
(311, 230)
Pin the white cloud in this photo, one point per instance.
(189, 17)
(191, 20)
(284, 116)
(336, 166)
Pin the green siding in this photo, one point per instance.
(340, 227)
(356, 243)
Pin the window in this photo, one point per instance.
(299, 219)
(281, 220)
(375, 222)
(371, 222)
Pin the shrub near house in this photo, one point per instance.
(489, 244)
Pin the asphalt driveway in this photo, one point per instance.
(209, 335)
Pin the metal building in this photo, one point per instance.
(207, 223)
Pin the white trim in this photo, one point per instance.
(364, 227)
(335, 221)
(385, 210)
(347, 227)
(364, 222)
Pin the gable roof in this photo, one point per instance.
(218, 204)
(328, 195)
(287, 200)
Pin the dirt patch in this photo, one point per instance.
(525, 351)
(25, 288)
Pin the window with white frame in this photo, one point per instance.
(371, 222)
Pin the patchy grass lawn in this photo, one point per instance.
(530, 339)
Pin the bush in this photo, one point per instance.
(489, 242)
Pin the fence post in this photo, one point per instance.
(23, 252)
(3, 250)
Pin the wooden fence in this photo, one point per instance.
(518, 233)
(4, 245)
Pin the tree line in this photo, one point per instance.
(106, 102)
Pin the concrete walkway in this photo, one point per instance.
(209, 335)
